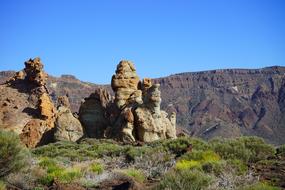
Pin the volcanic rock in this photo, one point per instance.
(152, 123)
(127, 118)
(34, 72)
(125, 84)
(68, 128)
(28, 111)
(92, 113)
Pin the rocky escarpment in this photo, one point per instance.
(26, 107)
(132, 115)
(229, 102)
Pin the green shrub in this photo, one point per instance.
(2, 185)
(134, 173)
(259, 150)
(259, 186)
(46, 180)
(208, 161)
(281, 150)
(86, 150)
(247, 149)
(230, 149)
(239, 166)
(215, 167)
(177, 146)
(54, 171)
(201, 156)
(187, 164)
(65, 149)
(47, 162)
(106, 149)
(199, 144)
(96, 168)
(13, 155)
(185, 179)
(60, 174)
(68, 175)
(133, 152)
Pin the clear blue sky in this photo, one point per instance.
(87, 38)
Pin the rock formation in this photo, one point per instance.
(34, 72)
(228, 103)
(152, 123)
(125, 85)
(28, 100)
(68, 128)
(133, 115)
(92, 113)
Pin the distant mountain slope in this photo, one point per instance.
(230, 102)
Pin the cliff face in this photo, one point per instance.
(227, 103)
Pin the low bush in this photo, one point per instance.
(281, 150)
(96, 168)
(239, 166)
(230, 149)
(259, 186)
(138, 175)
(214, 167)
(177, 146)
(199, 144)
(13, 155)
(2, 185)
(187, 164)
(208, 161)
(62, 175)
(259, 150)
(134, 152)
(201, 156)
(247, 149)
(155, 164)
(86, 150)
(184, 179)
(54, 171)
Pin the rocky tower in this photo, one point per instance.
(125, 84)
(34, 72)
(36, 76)
(29, 100)
(135, 113)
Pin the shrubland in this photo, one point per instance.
(182, 163)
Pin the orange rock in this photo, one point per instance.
(31, 133)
